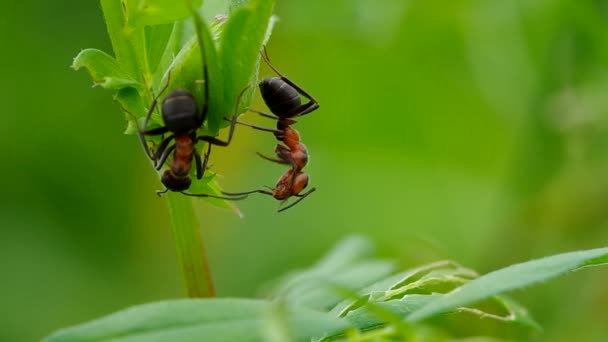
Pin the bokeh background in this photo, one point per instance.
(468, 130)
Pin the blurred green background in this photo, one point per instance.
(466, 130)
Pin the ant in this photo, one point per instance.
(182, 119)
(282, 96)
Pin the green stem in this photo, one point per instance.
(190, 248)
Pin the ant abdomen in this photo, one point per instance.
(175, 183)
(179, 112)
(280, 97)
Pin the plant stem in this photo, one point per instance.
(190, 248)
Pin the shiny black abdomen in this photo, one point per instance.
(180, 112)
(280, 97)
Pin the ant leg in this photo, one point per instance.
(159, 193)
(260, 128)
(234, 198)
(216, 141)
(161, 148)
(264, 114)
(275, 160)
(301, 197)
(261, 191)
(284, 156)
(164, 157)
(140, 135)
(303, 109)
(155, 101)
(201, 167)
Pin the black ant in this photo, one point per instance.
(282, 96)
(181, 118)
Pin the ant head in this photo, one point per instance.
(279, 96)
(175, 183)
(180, 112)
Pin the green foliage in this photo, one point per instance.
(223, 319)
(153, 46)
(155, 52)
(512, 278)
(350, 294)
(104, 70)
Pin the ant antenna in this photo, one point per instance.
(155, 100)
(199, 28)
(267, 60)
(160, 193)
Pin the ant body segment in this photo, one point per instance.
(282, 96)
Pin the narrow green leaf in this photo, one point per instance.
(236, 4)
(218, 104)
(348, 265)
(385, 289)
(244, 34)
(157, 39)
(350, 250)
(115, 23)
(512, 278)
(130, 100)
(317, 291)
(172, 48)
(363, 319)
(199, 320)
(104, 69)
(155, 12)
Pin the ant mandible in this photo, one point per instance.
(282, 96)
(182, 119)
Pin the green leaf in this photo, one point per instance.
(115, 23)
(157, 42)
(236, 4)
(155, 12)
(406, 292)
(364, 319)
(511, 278)
(131, 101)
(348, 265)
(244, 35)
(200, 320)
(396, 286)
(171, 49)
(104, 70)
(218, 104)
(317, 291)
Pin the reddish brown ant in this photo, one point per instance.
(182, 119)
(282, 96)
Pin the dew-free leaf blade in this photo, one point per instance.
(223, 319)
(363, 319)
(156, 12)
(115, 23)
(512, 278)
(240, 46)
(157, 39)
(218, 104)
(104, 69)
(349, 265)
